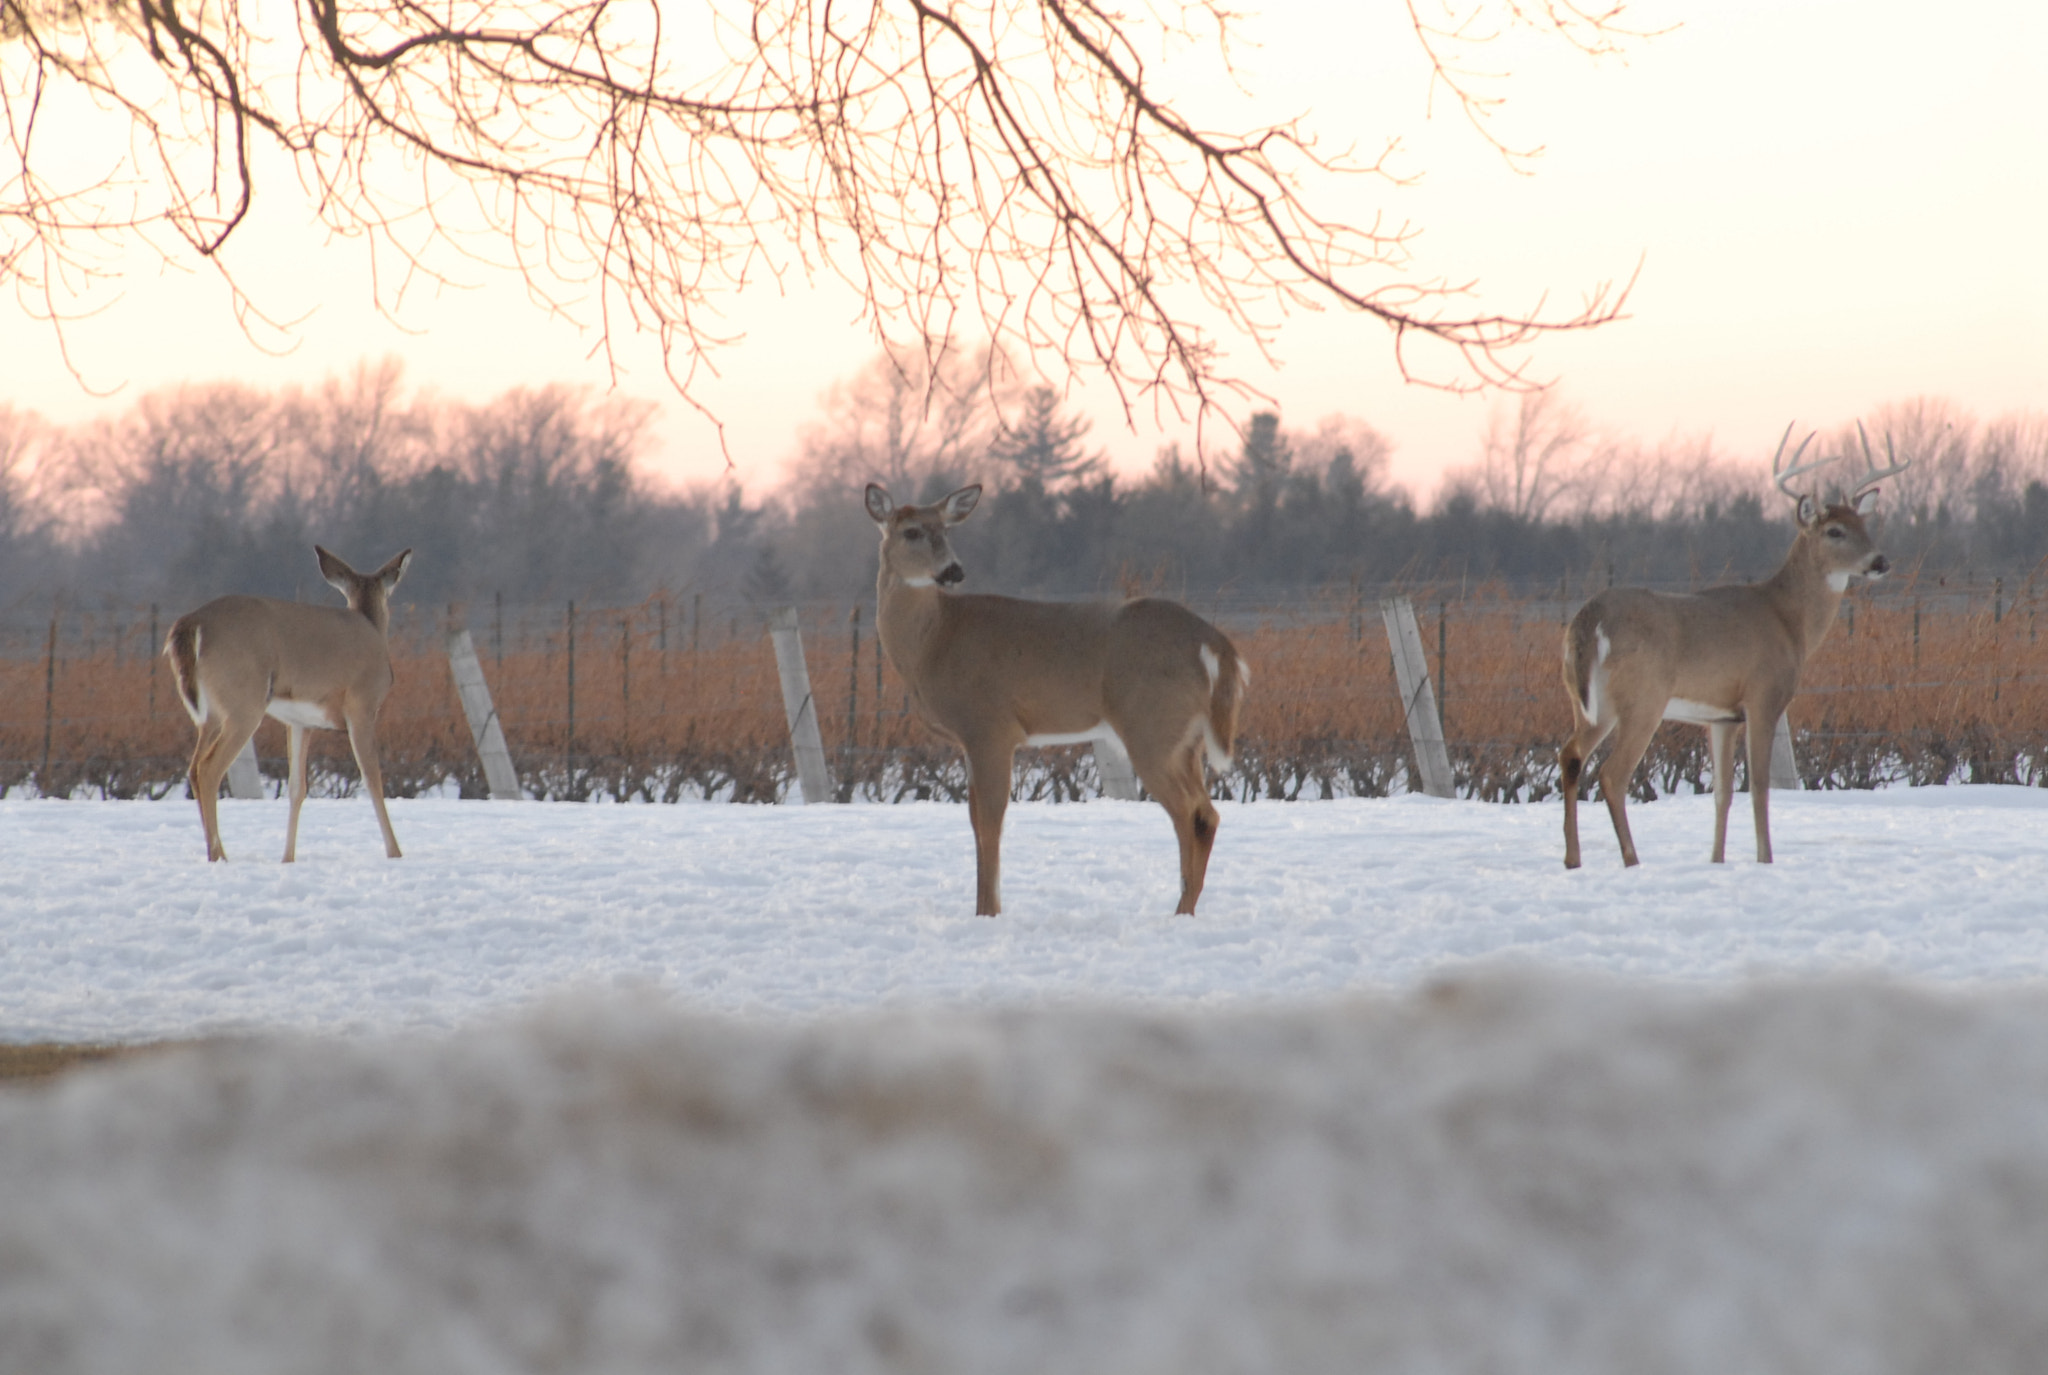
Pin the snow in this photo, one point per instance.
(1507, 1172)
(704, 1087)
(114, 928)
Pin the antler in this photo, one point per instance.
(1781, 478)
(1874, 476)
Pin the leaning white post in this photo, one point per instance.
(1411, 671)
(499, 776)
(1784, 765)
(1113, 767)
(799, 706)
(245, 780)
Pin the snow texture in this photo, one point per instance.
(1504, 1172)
(1405, 1096)
(115, 928)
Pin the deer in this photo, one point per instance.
(239, 659)
(1723, 658)
(991, 673)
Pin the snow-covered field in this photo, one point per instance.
(113, 928)
(646, 1089)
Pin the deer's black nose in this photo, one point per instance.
(951, 574)
(1879, 566)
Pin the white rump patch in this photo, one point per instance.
(1219, 758)
(294, 713)
(1699, 713)
(1596, 681)
(195, 710)
(1213, 666)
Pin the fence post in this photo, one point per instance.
(49, 703)
(245, 780)
(1784, 764)
(1411, 672)
(499, 776)
(797, 703)
(569, 751)
(849, 756)
(1113, 766)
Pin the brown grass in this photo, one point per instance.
(30, 1065)
(1922, 684)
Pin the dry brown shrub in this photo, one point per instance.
(669, 705)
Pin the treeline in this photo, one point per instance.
(547, 494)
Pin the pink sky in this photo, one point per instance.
(1837, 204)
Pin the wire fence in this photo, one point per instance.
(677, 697)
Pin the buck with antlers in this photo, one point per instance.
(992, 673)
(239, 659)
(1721, 658)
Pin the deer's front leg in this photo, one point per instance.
(988, 796)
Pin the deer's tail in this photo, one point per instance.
(181, 647)
(1229, 676)
(1584, 654)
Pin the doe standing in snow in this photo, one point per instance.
(239, 659)
(992, 673)
(1722, 658)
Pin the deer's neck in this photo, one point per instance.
(906, 619)
(376, 611)
(1804, 597)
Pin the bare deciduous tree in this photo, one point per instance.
(1012, 169)
(1529, 461)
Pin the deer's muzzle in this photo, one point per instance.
(951, 574)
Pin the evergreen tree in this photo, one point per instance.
(1044, 447)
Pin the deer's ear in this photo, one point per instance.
(960, 504)
(880, 504)
(391, 572)
(1867, 502)
(1808, 511)
(336, 572)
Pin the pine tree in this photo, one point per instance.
(1044, 447)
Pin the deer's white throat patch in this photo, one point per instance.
(1839, 581)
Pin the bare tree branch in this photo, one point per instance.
(1001, 169)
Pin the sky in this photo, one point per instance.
(1827, 206)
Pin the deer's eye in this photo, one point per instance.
(1836, 532)
(913, 534)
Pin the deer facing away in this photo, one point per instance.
(239, 659)
(1721, 658)
(992, 673)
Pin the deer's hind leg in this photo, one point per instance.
(362, 739)
(221, 737)
(1170, 767)
(1631, 741)
(1571, 765)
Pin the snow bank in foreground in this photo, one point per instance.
(1510, 1172)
